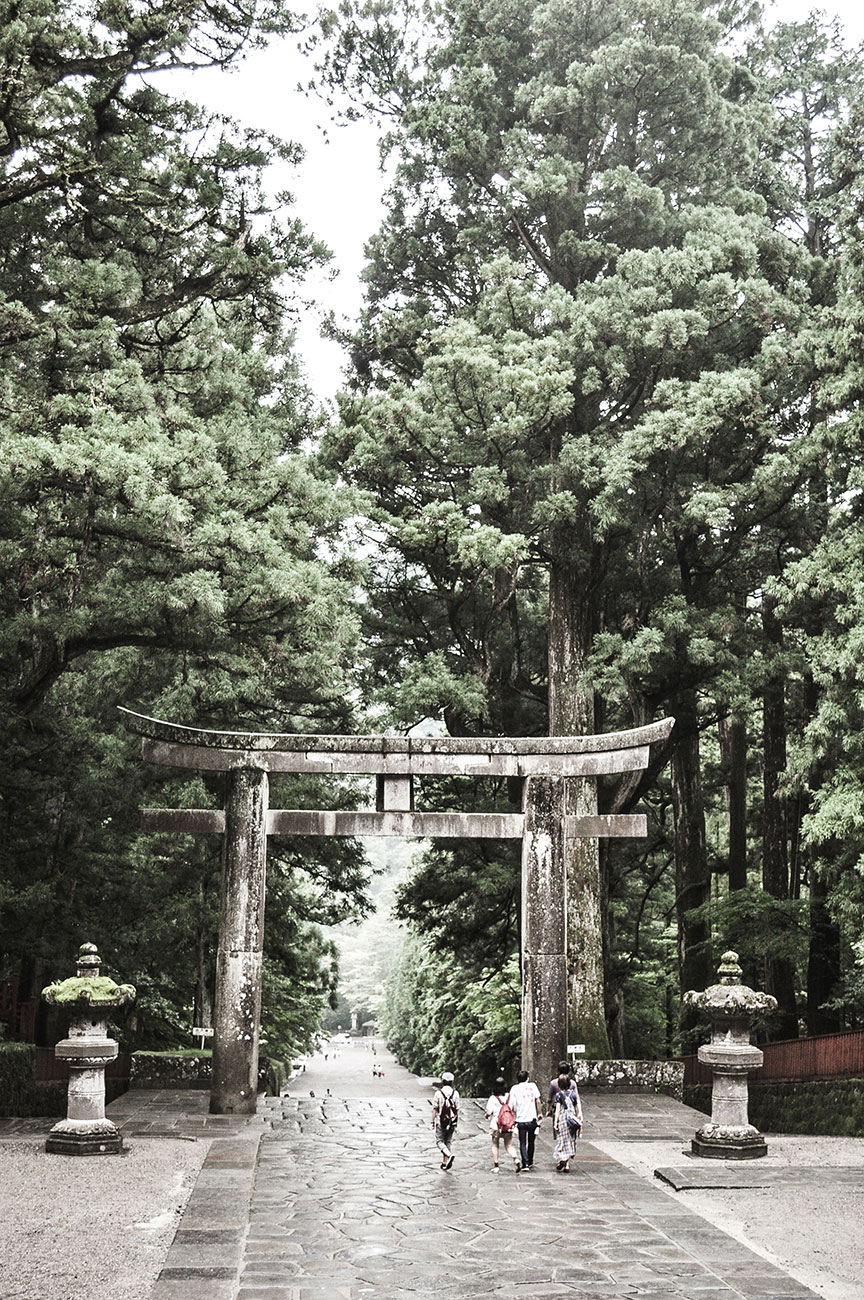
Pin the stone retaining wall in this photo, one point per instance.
(631, 1076)
(164, 1070)
(814, 1107)
(184, 1070)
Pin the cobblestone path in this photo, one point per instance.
(350, 1202)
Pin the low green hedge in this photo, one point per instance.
(823, 1106)
(21, 1096)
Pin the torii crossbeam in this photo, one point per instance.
(544, 826)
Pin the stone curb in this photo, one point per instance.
(206, 1255)
(699, 1179)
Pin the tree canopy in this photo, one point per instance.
(601, 429)
(166, 539)
(591, 405)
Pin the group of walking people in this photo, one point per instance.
(515, 1112)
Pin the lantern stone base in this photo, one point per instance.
(729, 1142)
(73, 1137)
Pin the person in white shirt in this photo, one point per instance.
(525, 1100)
(499, 1098)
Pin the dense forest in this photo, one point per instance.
(599, 452)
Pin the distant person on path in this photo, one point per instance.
(567, 1124)
(445, 1117)
(502, 1123)
(525, 1100)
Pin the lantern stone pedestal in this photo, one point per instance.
(731, 1006)
(86, 1131)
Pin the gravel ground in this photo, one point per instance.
(48, 1204)
(814, 1233)
(91, 1229)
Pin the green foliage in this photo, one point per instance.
(275, 1075)
(165, 540)
(95, 989)
(441, 1016)
(603, 412)
(761, 925)
(20, 1095)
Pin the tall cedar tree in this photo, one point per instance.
(161, 536)
(571, 386)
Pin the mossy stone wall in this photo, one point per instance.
(186, 1069)
(821, 1107)
(193, 1069)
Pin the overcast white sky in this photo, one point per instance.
(338, 187)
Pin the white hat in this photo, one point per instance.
(446, 1077)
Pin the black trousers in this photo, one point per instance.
(527, 1135)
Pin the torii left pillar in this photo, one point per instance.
(237, 1009)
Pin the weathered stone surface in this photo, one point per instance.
(241, 939)
(729, 1142)
(631, 1076)
(544, 926)
(351, 1203)
(731, 1006)
(148, 1070)
(246, 742)
(88, 1049)
(543, 763)
(389, 822)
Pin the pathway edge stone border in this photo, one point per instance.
(205, 1258)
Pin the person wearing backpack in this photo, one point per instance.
(567, 1124)
(525, 1101)
(445, 1117)
(502, 1123)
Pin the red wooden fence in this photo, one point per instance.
(826, 1056)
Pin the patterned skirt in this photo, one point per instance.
(565, 1141)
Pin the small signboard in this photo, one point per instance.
(574, 1049)
(202, 1032)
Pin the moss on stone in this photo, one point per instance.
(95, 989)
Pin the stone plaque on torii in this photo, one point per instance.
(544, 827)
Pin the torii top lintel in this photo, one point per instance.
(201, 749)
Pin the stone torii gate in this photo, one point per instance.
(544, 764)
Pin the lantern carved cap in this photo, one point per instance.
(88, 986)
(730, 997)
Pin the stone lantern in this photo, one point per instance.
(731, 1007)
(90, 997)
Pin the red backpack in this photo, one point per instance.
(506, 1118)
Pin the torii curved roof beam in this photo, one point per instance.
(175, 745)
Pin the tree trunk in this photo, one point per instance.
(780, 979)
(571, 713)
(823, 967)
(692, 876)
(733, 751)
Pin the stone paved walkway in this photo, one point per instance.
(348, 1202)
